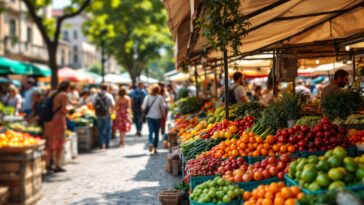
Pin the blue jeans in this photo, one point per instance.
(138, 120)
(104, 126)
(154, 125)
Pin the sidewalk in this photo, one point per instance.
(115, 176)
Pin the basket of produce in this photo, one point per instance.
(216, 191)
(171, 197)
(334, 170)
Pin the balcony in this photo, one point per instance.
(24, 50)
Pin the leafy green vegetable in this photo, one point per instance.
(292, 104)
(341, 105)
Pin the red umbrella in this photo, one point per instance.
(70, 74)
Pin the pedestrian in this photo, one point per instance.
(153, 107)
(341, 79)
(237, 93)
(55, 129)
(104, 104)
(257, 95)
(13, 99)
(122, 122)
(30, 87)
(137, 96)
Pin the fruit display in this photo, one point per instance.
(311, 108)
(334, 170)
(216, 191)
(323, 136)
(354, 119)
(334, 198)
(356, 136)
(25, 128)
(191, 149)
(184, 123)
(230, 164)
(226, 129)
(6, 110)
(205, 165)
(269, 167)
(194, 133)
(274, 193)
(250, 145)
(219, 114)
(14, 139)
(308, 120)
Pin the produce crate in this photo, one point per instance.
(4, 194)
(172, 140)
(66, 152)
(194, 181)
(85, 141)
(249, 186)
(292, 182)
(74, 145)
(350, 150)
(21, 171)
(235, 202)
(176, 167)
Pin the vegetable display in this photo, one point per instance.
(194, 148)
(216, 191)
(203, 166)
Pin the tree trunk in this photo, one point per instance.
(52, 62)
(133, 75)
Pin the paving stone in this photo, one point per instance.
(115, 176)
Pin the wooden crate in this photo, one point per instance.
(176, 167)
(22, 172)
(172, 140)
(84, 136)
(4, 195)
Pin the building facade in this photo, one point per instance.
(20, 38)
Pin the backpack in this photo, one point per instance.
(138, 100)
(101, 105)
(231, 96)
(46, 108)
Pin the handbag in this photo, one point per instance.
(147, 108)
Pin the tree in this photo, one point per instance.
(50, 28)
(136, 31)
(96, 68)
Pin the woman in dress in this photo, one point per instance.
(13, 99)
(153, 108)
(55, 130)
(122, 123)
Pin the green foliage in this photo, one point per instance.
(292, 104)
(274, 116)
(96, 68)
(224, 24)
(189, 105)
(254, 109)
(183, 93)
(136, 31)
(341, 105)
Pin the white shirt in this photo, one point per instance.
(239, 92)
(155, 110)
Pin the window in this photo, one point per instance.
(75, 54)
(29, 35)
(12, 27)
(75, 34)
(65, 35)
(62, 57)
(13, 1)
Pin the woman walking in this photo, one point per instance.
(122, 123)
(55, 130)
(153, 107)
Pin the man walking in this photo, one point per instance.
(137, 96)
(104, 104)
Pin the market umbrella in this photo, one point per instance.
(115, 78)
(70, 74)
(8, 66)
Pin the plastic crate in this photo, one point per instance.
(289, 181)
(194, 181)
(352, 151)
(249, 186)
(292, 182)
(235, 202)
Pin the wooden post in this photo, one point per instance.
(354, 69)
(216, 83)
(274, 72)
(226, 79)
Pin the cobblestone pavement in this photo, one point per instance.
(115, 176)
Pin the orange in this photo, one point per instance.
(275, 147)
(283, 149)
(290, 202)
(264, 152)
(295, 190)
(266, 145)
(235, 153)
(233, 147)
(233, 140)
(238, 178)
(300, 195)
(281, 184)
(274, 188)
(258, 139)
(251, 139)
(267, 201)
(291, 149)
(247, 195)
(278, 200)
(269, 195)
(286, 192)
(269, 139)
(255, 194)
(251, 134)
(242, 146)
(255, 145)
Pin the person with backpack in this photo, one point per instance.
(137, 96)
(104, 104)
(236, 91)
(154, 111)
(53, 115)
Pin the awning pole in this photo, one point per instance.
(196, 79)
(216, 83)
(354, 68)
(274, 72)
(226, 78)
